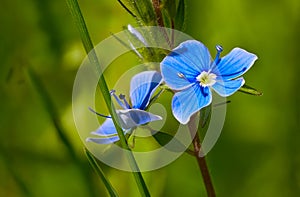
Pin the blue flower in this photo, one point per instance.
(191, 72)
(142, 87)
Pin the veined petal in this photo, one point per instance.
(104, 140)
(227, 88)
(189, 101)
(181, 67)
(235, 64)
(130, 118)
(142, 87)
(106, 129)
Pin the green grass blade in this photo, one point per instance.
(180, 15)
(100, 173)
(88, 45)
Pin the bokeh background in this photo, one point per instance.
(256, 155)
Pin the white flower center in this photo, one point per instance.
(206, 79)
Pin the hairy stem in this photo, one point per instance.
(160, 21)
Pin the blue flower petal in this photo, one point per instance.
(227, 88)
(106, 129)
(235, 64)
(106, 140)
(189, 101)
(131, 118)
(142, 86)
(181, 67)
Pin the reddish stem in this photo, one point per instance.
(203, 167)
(201, 159)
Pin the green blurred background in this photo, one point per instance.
(256, 155)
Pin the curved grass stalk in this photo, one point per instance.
(88, 45)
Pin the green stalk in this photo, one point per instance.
(100, 173)
(88, 45)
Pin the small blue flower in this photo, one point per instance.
(190, 70)
(142, 87)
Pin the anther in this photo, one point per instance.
(219, 49)
(122, 97)
(112, 93)
(180, 75)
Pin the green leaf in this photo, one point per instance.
(166, 19)
(144, 12)
(164, 138)
(112, 192)
(170, 7)
(126, 8)
(180, 15)
(249, 90)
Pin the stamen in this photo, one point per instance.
(112, 93)
(219, 49)
(181, 75)
(99, 113)
(122, 97)
(206, 79)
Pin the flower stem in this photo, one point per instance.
(203, 167)
(159, 17)
(160, 21)
(88, 45)
(194, 128)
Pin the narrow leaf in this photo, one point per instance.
(249, 90)
(180, 15)
(112, 192)
(170, 7)
(127, 9)
(166, 19)
(144, 12)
